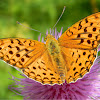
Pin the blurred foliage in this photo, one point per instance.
(40, 15)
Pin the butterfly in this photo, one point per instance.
(68, 58)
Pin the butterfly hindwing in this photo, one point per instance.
(78, 62)
(42, 71)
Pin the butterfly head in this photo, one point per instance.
(49, 36)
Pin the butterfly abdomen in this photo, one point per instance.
(55, 55)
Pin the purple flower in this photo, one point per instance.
(87, 88)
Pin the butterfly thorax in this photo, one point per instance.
(54, 51)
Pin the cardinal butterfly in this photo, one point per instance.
(68, 58)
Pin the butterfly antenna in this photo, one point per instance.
(28, 27)
(59, 17)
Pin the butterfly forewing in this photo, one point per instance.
(85, 34)
(18, 51)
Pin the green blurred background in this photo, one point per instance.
(40, 15)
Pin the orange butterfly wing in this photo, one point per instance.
(18, 51)
(31, 57)
(79, 46)
(78, 62)
(85, 34)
